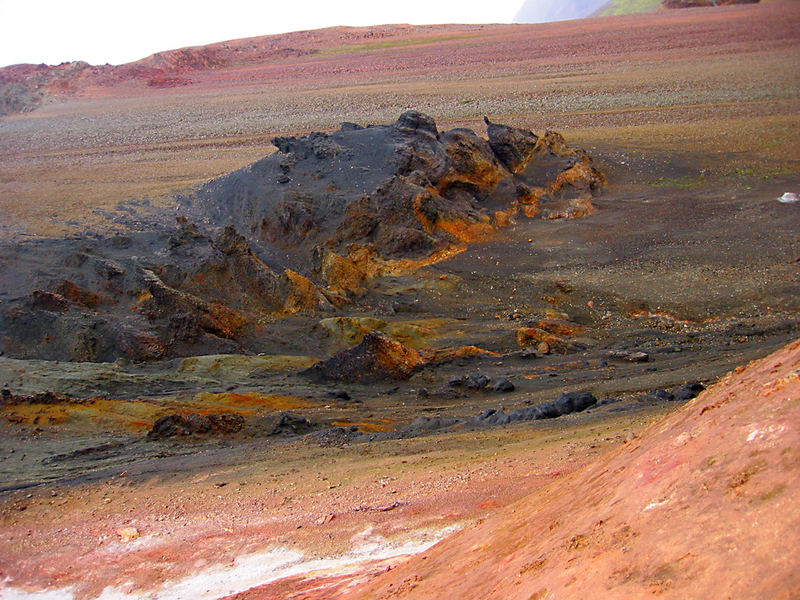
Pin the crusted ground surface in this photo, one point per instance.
(686, 268)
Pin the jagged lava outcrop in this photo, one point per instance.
(368, 201)
(303, 230)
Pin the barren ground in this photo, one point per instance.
(693, 117)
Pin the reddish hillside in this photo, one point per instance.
(702, 505)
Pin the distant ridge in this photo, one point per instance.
(544, 11)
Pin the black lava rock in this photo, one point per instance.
(503, 385)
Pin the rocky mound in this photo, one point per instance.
(377, 358)
(701, 505)
(366, 201)
(301, 230)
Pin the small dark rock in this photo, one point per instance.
(456, 381)
(503, 385)
(687, 391)
(338, 394)
(291, 424)
(476, 381)
(629, 355)
(660, 396)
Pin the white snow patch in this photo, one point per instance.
(12, 594)
(756, 433)
(789, 198)
(260, 568)
(653, 505)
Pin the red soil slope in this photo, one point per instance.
(702, 505)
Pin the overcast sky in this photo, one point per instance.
(101, 31)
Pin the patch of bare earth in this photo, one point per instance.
(701, 504)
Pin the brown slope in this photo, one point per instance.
(703, 505)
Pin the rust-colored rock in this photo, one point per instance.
(444, 355)
(560, 327)
(377, 358)
(78, 295)
(529, 336)
(196, 424)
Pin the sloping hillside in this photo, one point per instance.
(702, 505)
(626, 7)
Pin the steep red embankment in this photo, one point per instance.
(702, 505)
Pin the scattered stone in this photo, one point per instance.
(457, 381)
(338, 394)
(629, 355)
(564, 405)
(558, 326)
(473, 381)
(528, 336)
(660, 396)
(476, 381)
(291, 424)
(503, 385)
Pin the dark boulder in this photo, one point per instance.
(377, 358)
(660, 396)
(687, 391)
(413, 121)
(503, 385)
(514, 147)
(291, 424)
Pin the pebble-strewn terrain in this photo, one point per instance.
(278, 313)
